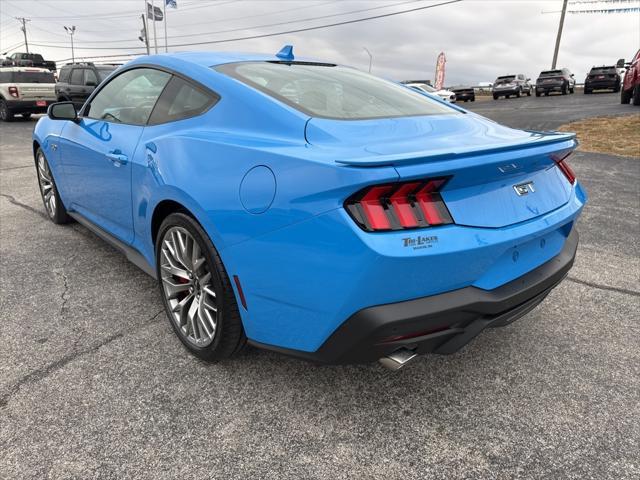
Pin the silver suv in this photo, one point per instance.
(25, 90)
(508, 85)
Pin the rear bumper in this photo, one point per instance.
(441, 323)
(465, 96)
(505, 91)
(549, 87)
(602, 84)
(27, 106)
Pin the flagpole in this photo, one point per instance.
(145, 19)
(164, 14)
(155, 33)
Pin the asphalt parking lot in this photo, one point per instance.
(93, 383)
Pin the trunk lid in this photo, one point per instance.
(37, 91)
(499, 176)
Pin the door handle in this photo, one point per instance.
(117, 158)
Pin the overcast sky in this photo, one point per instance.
(481, 39)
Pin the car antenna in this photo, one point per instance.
(286, 53)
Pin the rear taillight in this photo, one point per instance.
(13, 91)
(400, 206)
(565, 168)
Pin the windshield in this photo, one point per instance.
(330, 91)
(551, 73)
(105, 72)
(505, 79)
(33, 77)
(603, 70)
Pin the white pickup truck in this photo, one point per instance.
(24, 91)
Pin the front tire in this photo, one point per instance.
(49, 191)
(564, 89)
(196, 290)
(495, 97)
(636, 95)
(5, 114)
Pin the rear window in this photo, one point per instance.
(551, 73)
(32, 77)
(104, 72)
(330, 91)
(505, 79)
(600, 70)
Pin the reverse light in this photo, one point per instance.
(399, 206)
(565, 168)
(13, 91)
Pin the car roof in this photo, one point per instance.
(212, 59)
(24, 69)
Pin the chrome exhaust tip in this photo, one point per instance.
(398, 359)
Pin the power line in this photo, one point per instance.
(286, 32)
(265, 25)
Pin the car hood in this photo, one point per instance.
(406, 140)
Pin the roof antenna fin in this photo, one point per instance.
(286, 53)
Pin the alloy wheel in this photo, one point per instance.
(188, 287)
(47, 187)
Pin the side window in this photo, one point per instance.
(182, 99)
(5, 77)
(76, 77)
(64, 75)
(129, 97)
(90, 77)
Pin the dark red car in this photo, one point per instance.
(631, 85)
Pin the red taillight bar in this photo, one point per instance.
(399, 206)
(565, 168)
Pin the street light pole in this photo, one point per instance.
(370, 57)
(555, 51)
(71, 30)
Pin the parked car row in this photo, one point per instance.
(29, 90)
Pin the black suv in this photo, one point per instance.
(464, 93)
(561, 81)
(78, 80)
(606, 78)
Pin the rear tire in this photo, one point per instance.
(5, 114)
(49, 191)
(636, 95)
(564, 89)
(495, 97)
(211, 334)
(473, 99)
(537, 93)
(518, 93)
(626, 96)
(587, 91)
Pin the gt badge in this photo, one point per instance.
(524, 188)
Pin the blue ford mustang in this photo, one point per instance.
(310, 208)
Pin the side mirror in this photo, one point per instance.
(572, 75)
(528, 79)
(91, 83)
(620, 63)
(62, 111)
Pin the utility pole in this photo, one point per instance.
(370, 57)
(145, 34)
(71, 30)
(24, 30)
(555, 52)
